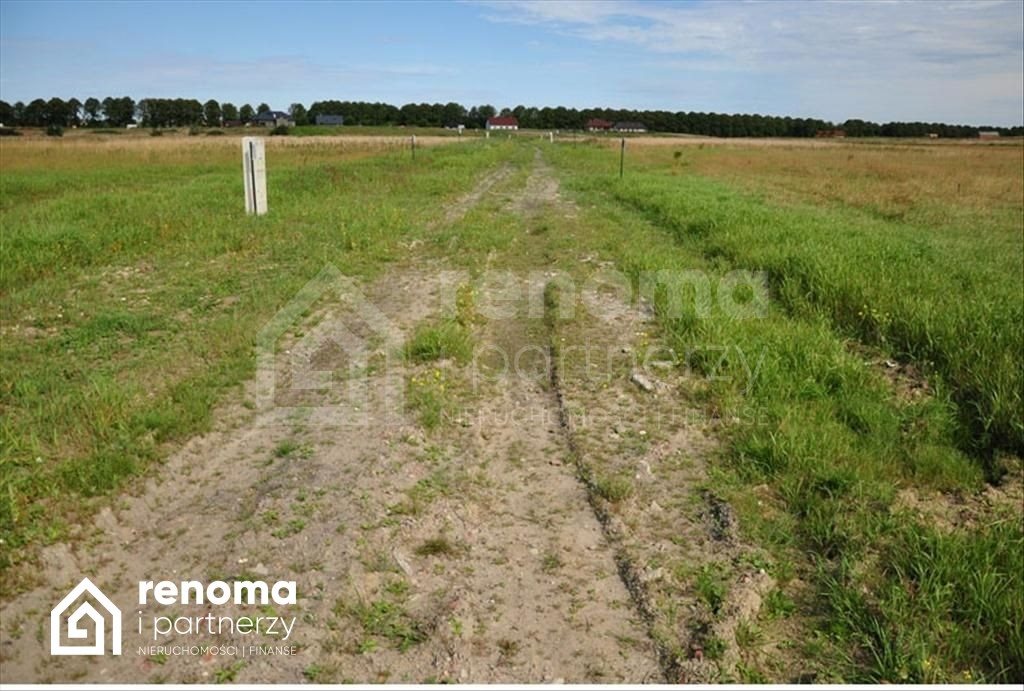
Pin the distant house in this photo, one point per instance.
(330, 119)
(629, 127)
(502, 122)
(274, 118)
(233, 123)
(597, 125)
(830, 134)
(988, 135)
(933, 135)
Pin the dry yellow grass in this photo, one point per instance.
(85, 151)
(935, 184)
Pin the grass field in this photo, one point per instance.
(875, 456)
(133, 290)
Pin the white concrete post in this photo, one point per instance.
(551, 137)
(254, 172)
(487, 134)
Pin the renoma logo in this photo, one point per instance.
(76, 630)
(81, 622)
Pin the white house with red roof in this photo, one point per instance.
(502, 122)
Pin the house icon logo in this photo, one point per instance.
(342, 363)
(78, 630)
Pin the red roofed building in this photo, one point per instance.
(598, 125)
(502, 122)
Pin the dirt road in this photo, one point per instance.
(470, 556)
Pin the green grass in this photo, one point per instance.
(448, 340)
(430, 397)
(710, 587)
(948, 607)
(433, 395)
(386, 619)
(825, 430)
(949, 301)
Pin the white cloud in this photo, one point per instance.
(927, 51)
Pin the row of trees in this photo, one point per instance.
(178, 112)
(118, 112)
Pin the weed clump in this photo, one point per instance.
(438, 547)
(449, 340)
(613, 489)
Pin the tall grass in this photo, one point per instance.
(951, 305)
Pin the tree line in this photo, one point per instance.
(178, 112)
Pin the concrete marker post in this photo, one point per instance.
(622, 157)
(254, 174)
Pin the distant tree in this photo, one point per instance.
(7, 118)
(409, 115)
(453, 114)
(486, 112)
(57, 112)
(212, 113)
(35, 113)
(171, 112)
(228, 111)
(262, 108)
(119, 111)
(299, 114)
(74, 112)
(92, 109)
(19, 112)
(528, 117)
(246, 113)
(106, 103)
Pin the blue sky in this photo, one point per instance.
(957, 62)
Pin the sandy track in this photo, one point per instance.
(460, 207)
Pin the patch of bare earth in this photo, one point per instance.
(951, 511)
(542, 192)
